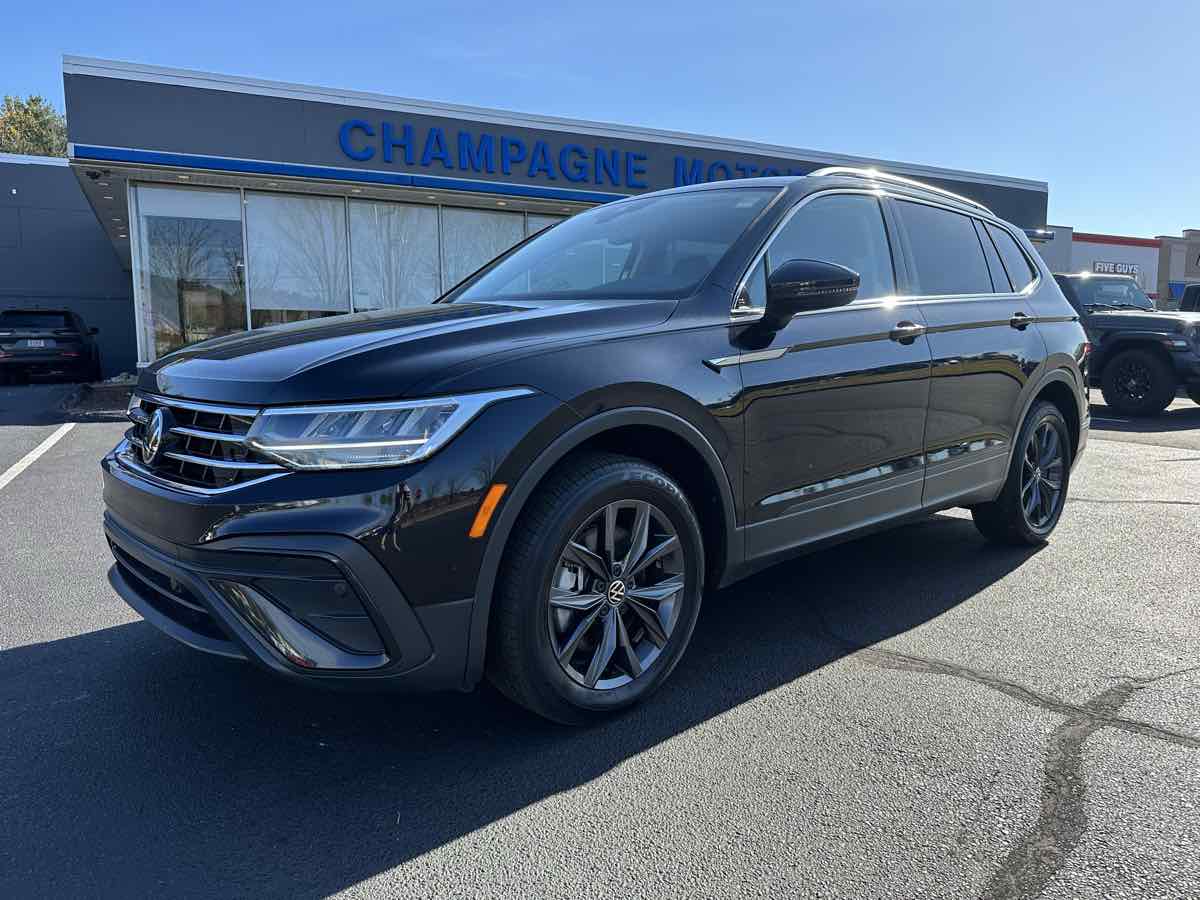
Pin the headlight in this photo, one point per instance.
(365, 435)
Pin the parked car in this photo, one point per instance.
(1190, 301)
(536, 478)
(47, 342)
(1141, 356)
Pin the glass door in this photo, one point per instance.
(189, 271)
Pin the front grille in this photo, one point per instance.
(205, 446)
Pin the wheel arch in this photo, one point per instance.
(663, 438)
(1062, 387)
(1148, 342)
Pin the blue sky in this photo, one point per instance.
(1096, 98)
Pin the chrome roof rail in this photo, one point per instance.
(877, 175)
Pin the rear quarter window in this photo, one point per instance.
(944, 250)
(1020, 271)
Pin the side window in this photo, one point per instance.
(1000, 282)
(1020, 272)
(846, 229)
(945, 251)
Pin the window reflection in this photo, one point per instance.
(394, 251)
(190, 265)
(472, 237)
(299, 265)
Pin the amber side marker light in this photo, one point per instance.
(490, 501)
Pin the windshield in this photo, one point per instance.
(658, 247)
(1113, 293)
(15, 318)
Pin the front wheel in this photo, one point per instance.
(1138, 383)
(1033, 496)
(600, 589)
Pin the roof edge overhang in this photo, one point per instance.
(105, 68)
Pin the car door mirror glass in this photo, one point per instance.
(801, 285)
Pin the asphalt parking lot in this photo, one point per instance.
(915, 714)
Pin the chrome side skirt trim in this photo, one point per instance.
(885, 470)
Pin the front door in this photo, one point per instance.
(836, 400)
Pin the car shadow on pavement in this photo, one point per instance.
(133, 765)
(1185, 417)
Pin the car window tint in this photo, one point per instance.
(1000, 282)
(945, 251)
(1020, 272)
(846, 229)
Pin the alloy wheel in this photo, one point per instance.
(1042, 476)
(616, 594)
(1134, 380)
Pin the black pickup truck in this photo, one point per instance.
(1141, 356)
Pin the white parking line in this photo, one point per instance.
(32, 456)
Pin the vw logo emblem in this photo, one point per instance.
(155, 432)
(616, 593)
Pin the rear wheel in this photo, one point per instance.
(1138, 383)
(1033, 496)
(599, 591)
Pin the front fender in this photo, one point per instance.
(532, 476)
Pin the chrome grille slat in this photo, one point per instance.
(209, 435)
(208, 451)
(222, 463)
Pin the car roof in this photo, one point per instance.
(838, 176)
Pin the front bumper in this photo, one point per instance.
(295, 623)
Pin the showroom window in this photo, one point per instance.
(298, 259)
(471, 237)
(394, 254)
(214, 261)
(189, 269)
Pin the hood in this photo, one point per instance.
(1167, 321)
(380, 355)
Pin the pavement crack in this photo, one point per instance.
(1041, 852)
(902, 662)
(1062, 820)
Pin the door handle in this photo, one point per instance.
(906, 332)
(1020, 321)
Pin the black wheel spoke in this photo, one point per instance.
(639, 536)
(657, 593)
(632, 661)
(582, 556)
(577, 635)
(654, 553)
(604, 651)
(649, 617)
(578, 602)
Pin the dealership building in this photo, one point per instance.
(236, 203)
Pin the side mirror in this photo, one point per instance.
(93, 330)
(799, 285)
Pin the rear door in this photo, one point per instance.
(836, 399)
(983, 343)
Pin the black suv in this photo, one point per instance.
(47, 342)
(1141, 356)
(537, 477)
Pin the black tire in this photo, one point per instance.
(522, 655)
(1138, 383)
(1007, 519)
